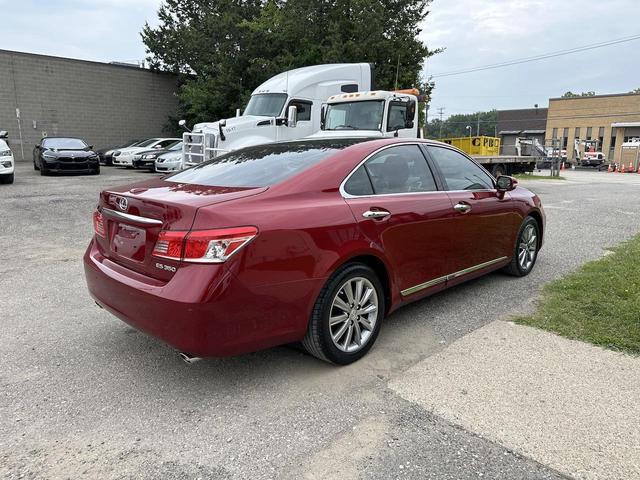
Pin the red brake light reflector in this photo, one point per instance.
(203, 246)
(98, 223)
(169, 244)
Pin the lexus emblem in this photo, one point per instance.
(122, 203)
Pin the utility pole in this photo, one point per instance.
(441, 113)
(478, 126)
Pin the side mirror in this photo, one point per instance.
(505, 183)
(292, 116)
(90, 147)
(411, 114)
(238, 113)
(183, 124)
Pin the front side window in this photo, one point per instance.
(459, 172)
(304, 109)
(401, 169)
(266, 104)
(397, 117)
(362, 115)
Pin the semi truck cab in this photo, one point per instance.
(285, 107)
(371, 113)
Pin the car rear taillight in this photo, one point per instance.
(98, 223)
(203, 246)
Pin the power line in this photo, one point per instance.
(538, 57)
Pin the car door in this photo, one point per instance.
(395, 200)
(484, 219)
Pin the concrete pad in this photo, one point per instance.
(567, 404)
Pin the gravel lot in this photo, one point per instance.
(82, 395)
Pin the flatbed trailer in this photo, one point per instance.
(507, 164)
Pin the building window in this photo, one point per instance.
(555, 133)
(613, 142)
(577, 133)
(565, 138)
(600, 137)
(589, 132)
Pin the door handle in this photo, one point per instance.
(375, 214)
(462, 207)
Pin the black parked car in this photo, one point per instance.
(65, 155)
(147, 158)
(106, 154)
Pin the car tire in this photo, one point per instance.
(525, 252)
(95, 171)
(43, 171)
(7, 179)
(323, 339)
(35, 166)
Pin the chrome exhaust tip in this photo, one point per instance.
(190, 359)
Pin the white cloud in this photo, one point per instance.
(481, 33)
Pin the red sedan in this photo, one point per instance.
(310, 241)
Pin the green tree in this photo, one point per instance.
(637, 90)
(223, 49)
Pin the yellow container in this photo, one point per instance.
(482, 146)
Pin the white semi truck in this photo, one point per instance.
(285, 107)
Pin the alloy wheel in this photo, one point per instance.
(353, 314)
(528, 247)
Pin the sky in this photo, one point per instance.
(473, 33)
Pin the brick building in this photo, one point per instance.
(609, 119)
(530, 123)
(103, 103)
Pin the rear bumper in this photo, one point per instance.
(204, 310)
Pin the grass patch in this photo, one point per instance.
(599, 303)
(529, 176)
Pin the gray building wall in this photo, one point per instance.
(102, 103)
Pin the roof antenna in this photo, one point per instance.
(397, 72)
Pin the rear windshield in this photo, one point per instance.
(59, 143)
(261, 166)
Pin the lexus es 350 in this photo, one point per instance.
(310, 241)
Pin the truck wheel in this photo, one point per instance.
(498, 170)
(347, 316)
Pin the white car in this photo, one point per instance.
(169, 162)
(124, 157)
(7, 163)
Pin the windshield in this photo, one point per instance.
(64, 143)
(261, 165)
(146, 143)
(266, 104)
(364, 115)
(176, 146)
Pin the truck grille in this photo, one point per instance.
(199, 147)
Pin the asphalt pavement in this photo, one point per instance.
(82, 395)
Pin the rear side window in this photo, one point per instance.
(359, 183)
(260, 166)
(401, 169)
(459, 172)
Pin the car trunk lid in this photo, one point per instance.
(134, 216)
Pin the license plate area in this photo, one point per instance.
(129, 242)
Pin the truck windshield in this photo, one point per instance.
(363, 115)
(266, 104)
